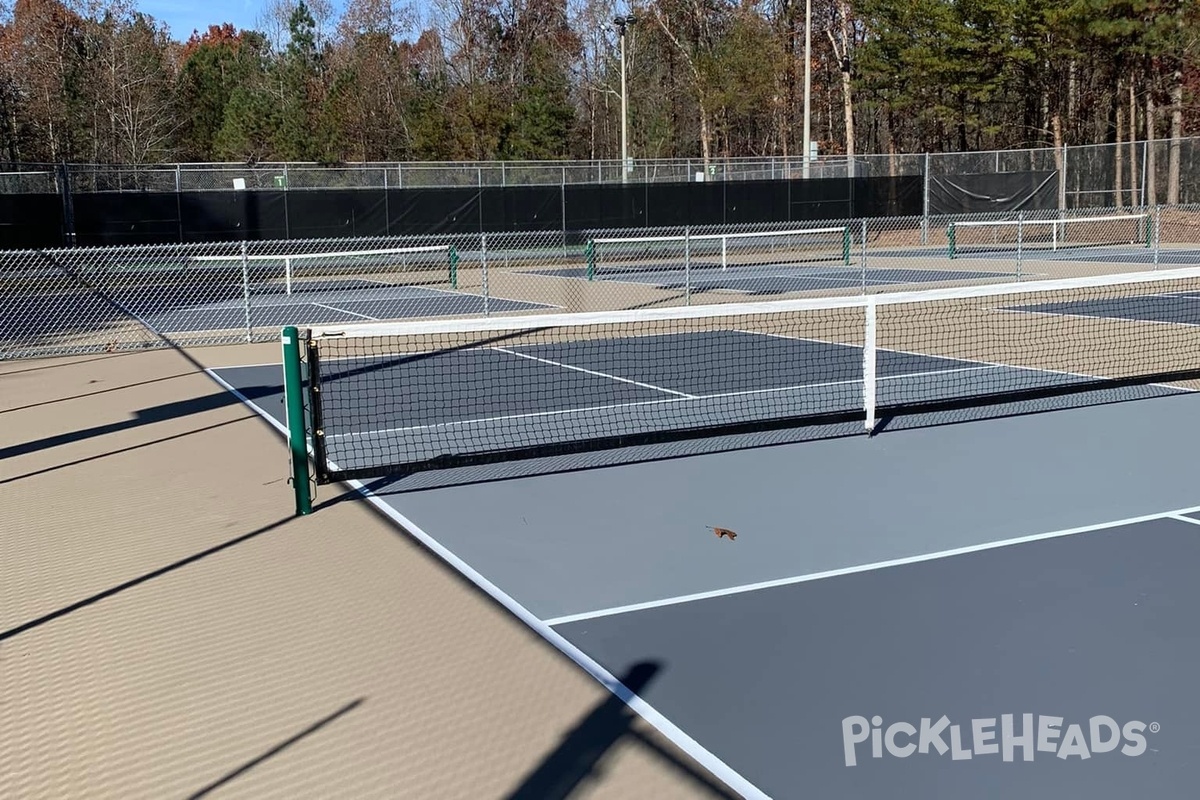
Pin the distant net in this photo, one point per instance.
(800, 246)
(1010, 236)
(390, 399)
(312, 271)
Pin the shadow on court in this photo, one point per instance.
(145, 416)
(277, 749)
(580, 754)
(175, 566)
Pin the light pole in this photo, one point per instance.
(807, 83)
(621, 23)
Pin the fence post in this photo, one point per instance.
(246, 291)
(1062, 182)
(1157, 234)
(68, 204)
(862, 252)
(1020, 239)
(925, 204)
(687, 264)
(483, 261)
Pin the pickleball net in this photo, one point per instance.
(777, 248)
(391, 399)
(314, 271)
(1052, 235)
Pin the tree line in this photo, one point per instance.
(98, 81)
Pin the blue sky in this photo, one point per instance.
(184, 16)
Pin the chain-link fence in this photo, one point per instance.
(1126, 173)
(60, 301)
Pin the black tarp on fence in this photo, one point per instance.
(116, 218)
(992, 192)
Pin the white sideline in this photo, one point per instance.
(655, 718)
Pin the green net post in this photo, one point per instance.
(950, 238)
(453, 267)
(293, 392)
(846, 246)
(589, 252)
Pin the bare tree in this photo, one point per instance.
(842, 45)
(688, 26)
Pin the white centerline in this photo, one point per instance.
(597, 374)
(896, 562)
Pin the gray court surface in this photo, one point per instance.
(187, 308)
(1003, 608)
(765, 279)
(1179, 308)
(1125, 254)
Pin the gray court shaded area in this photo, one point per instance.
(1101, 623)
(392, 411)
(1180, 309)
(768, 278)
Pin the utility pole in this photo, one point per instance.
(622, 23)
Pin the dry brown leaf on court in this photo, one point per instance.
(723, 532)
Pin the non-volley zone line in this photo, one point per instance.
(1177, 514)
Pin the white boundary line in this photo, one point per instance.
(896, 562)
(596, 373)
(655, 718)
(1019, 310)
(1182, 518)
(639, 706)
(270, 420)
(342, 311)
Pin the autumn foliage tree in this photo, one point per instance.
(383, 80)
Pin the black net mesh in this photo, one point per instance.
(392, 399)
